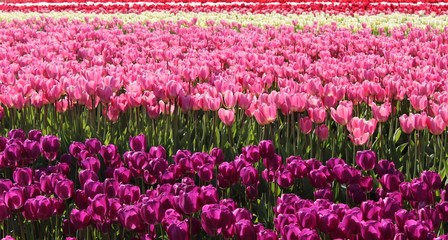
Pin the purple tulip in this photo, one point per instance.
(14, 198)
(366, 159)
(389, 206)
(218, 154)
(111, 187)
(285, 179)
(129, 193)
(129, 217)
(366, 183)
(350, 224)
(122, 175)
(18, 134)
(215, 218)
(432, 179)
(242, 213)
(251, 154)
(268, 175)
(79, 218)
(416, 230)
(189, 202)
(442, 208)
(318, 178)
(384, 167)
(205, 172)
(13, 152)
(92, 188)
(93, 145)
(209, 194)
(370, 229)
(3, 143)
(178, 230)
(32, 191)
(31, 149)
(430, 216)
(64, 189)
(370, 210)
(298, 168)
(273, 162)
(109, 153)
(249, 175)
(227, 175)
(157, 152)
(390, 182)
(75, 149)
(151, 211)
(50, 146)
(419, 190)
(307, 217)
(138, 143)
(23, 176)
(98, 207)
(323, 193)
(252, 192)
(80, 198)
(85, 175)
(267, 235)
(91, 163)
(267, 148)
(292, 231)
(328, 221)
(35, 135)
(244, 229)
(401, 216)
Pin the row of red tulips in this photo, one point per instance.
(243, 8)
(95, 192)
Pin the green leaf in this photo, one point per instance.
(397, 135)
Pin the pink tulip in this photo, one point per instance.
(306, 125)
(381, 113)
(343, 113)
(322, 132)
(227, 116)
(419, 103)
(265, 114)
(436, 125)
(317, 115)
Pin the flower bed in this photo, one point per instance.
(94, 191)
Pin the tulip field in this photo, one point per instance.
(263, 120)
